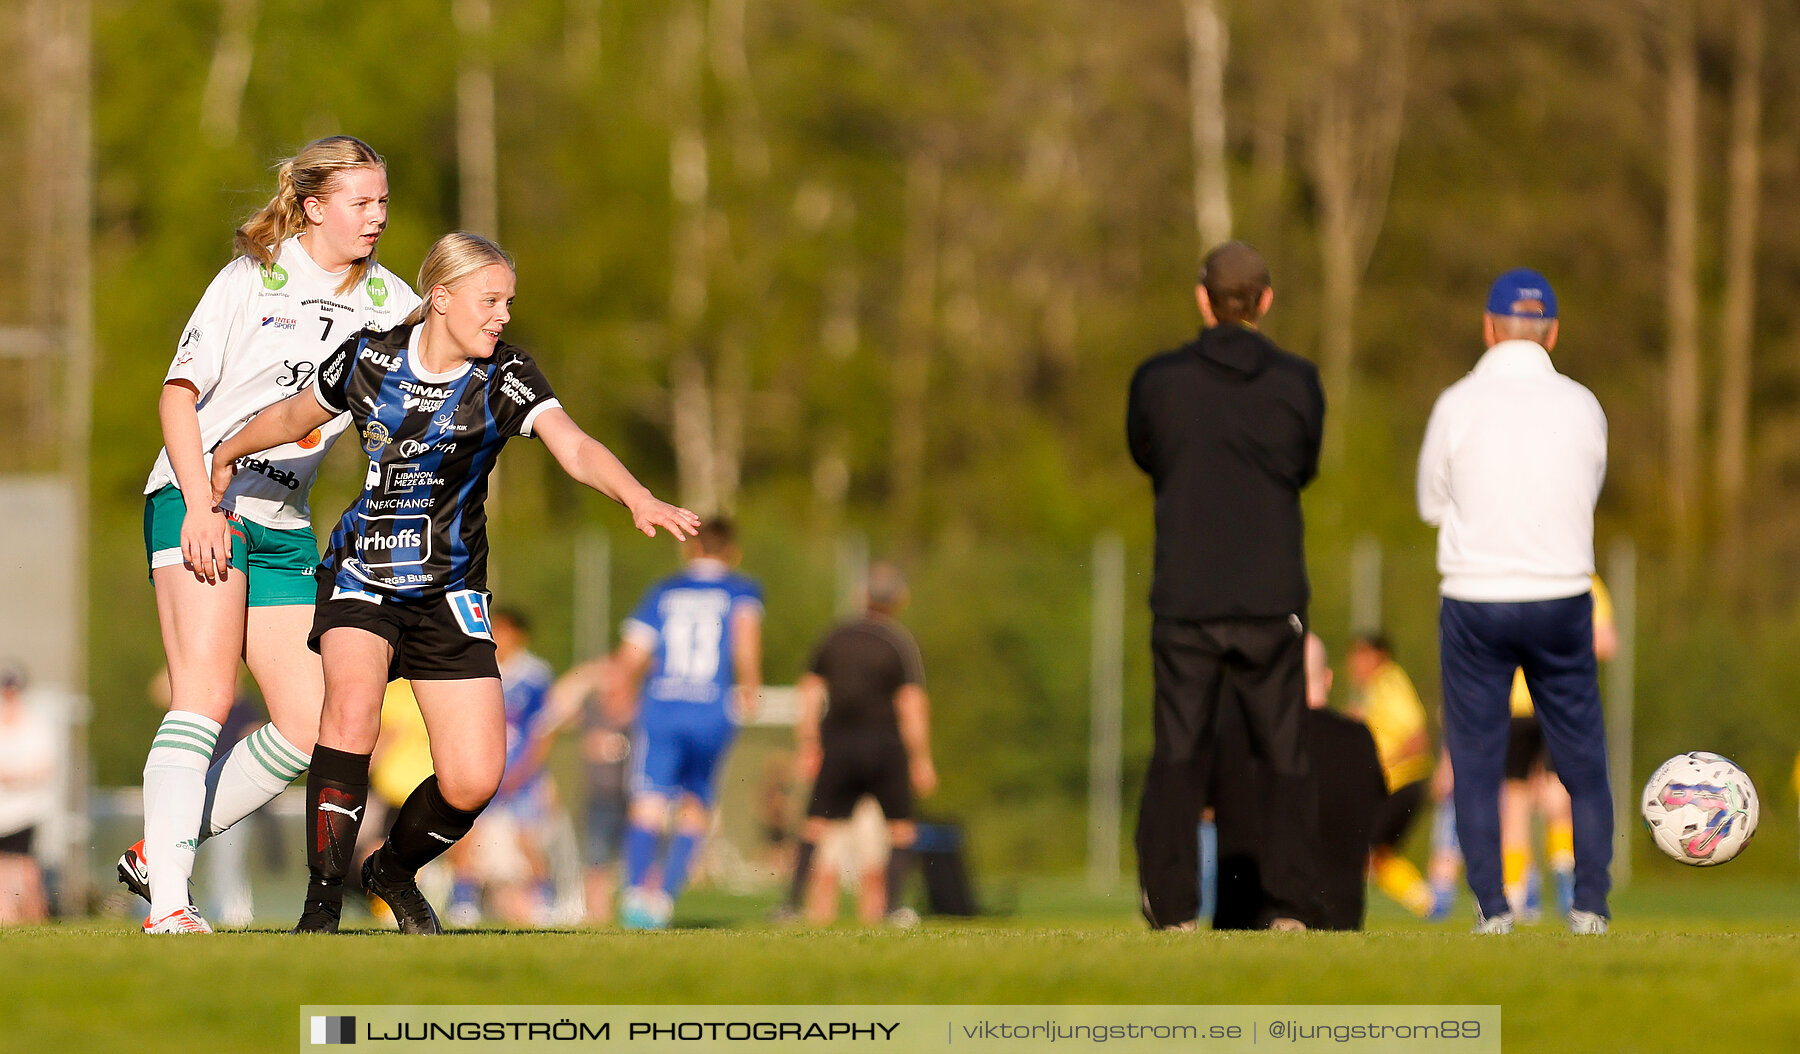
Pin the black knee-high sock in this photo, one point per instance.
(803, 864)
(900, 865)
(337, 791)
(425, 826)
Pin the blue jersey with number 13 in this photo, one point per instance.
(685, 624)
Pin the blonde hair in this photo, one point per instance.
(451, 259)
(311, 173)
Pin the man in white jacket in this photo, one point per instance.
(1512, 465)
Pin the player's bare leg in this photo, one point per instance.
(292, 681)
(1516, 800)
(203, 631)
(1559, 836)
(466, 722)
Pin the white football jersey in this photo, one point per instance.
(256, 338)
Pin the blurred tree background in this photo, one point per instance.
(886, 268)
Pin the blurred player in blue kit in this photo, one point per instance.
(505, 849)
(694, 648)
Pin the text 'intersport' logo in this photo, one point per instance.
(277, 322)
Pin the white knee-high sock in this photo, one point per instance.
(261, 766)
(174, 795)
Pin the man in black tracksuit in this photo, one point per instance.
(1228, 428)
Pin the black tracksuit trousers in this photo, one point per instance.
(1257, 664)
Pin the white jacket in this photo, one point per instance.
(1512, 465)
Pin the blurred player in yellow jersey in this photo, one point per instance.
(1531, 785)
(1384, 698)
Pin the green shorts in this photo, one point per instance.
(279, 564)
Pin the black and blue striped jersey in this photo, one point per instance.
(419, 528)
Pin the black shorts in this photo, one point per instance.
(433, 639)
(1525, 749)
(1395, 816)
(18, 842)
(853, 766)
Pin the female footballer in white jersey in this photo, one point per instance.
(402, 589)
(233, 576)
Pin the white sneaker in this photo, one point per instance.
(1587, 923)
(1501, 923)
(181, 920)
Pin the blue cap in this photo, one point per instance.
(1519, 284)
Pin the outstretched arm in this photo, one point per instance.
(913, 708)
(587, 460)
(288, 421)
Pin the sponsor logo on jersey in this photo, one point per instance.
(262, 465)
(331, 305)
(278, 322)
(299, 374)
(517, 390)
(470, 608)
(312, 440)
(480, 373)
(390, 541)
(386, 362)
(404, 538)
(333, 371)
(412, 447)
(406, 476)
(378, 290)
(424, 397)
(444, 420)
(375, 438)
(190, 336)
(420, 502)
(273, 277)
(183, 357)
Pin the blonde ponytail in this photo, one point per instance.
(451, 259)
(311, 173)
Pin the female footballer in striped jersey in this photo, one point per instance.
(402, 591)
(233, 573)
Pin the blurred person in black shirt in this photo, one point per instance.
(864, 727)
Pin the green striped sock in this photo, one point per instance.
(185, 731)
(257, 769)
(174, 798)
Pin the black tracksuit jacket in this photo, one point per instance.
(1228, 427)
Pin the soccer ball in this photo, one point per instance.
(1700, 808)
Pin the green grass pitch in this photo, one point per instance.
(1729, 967)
